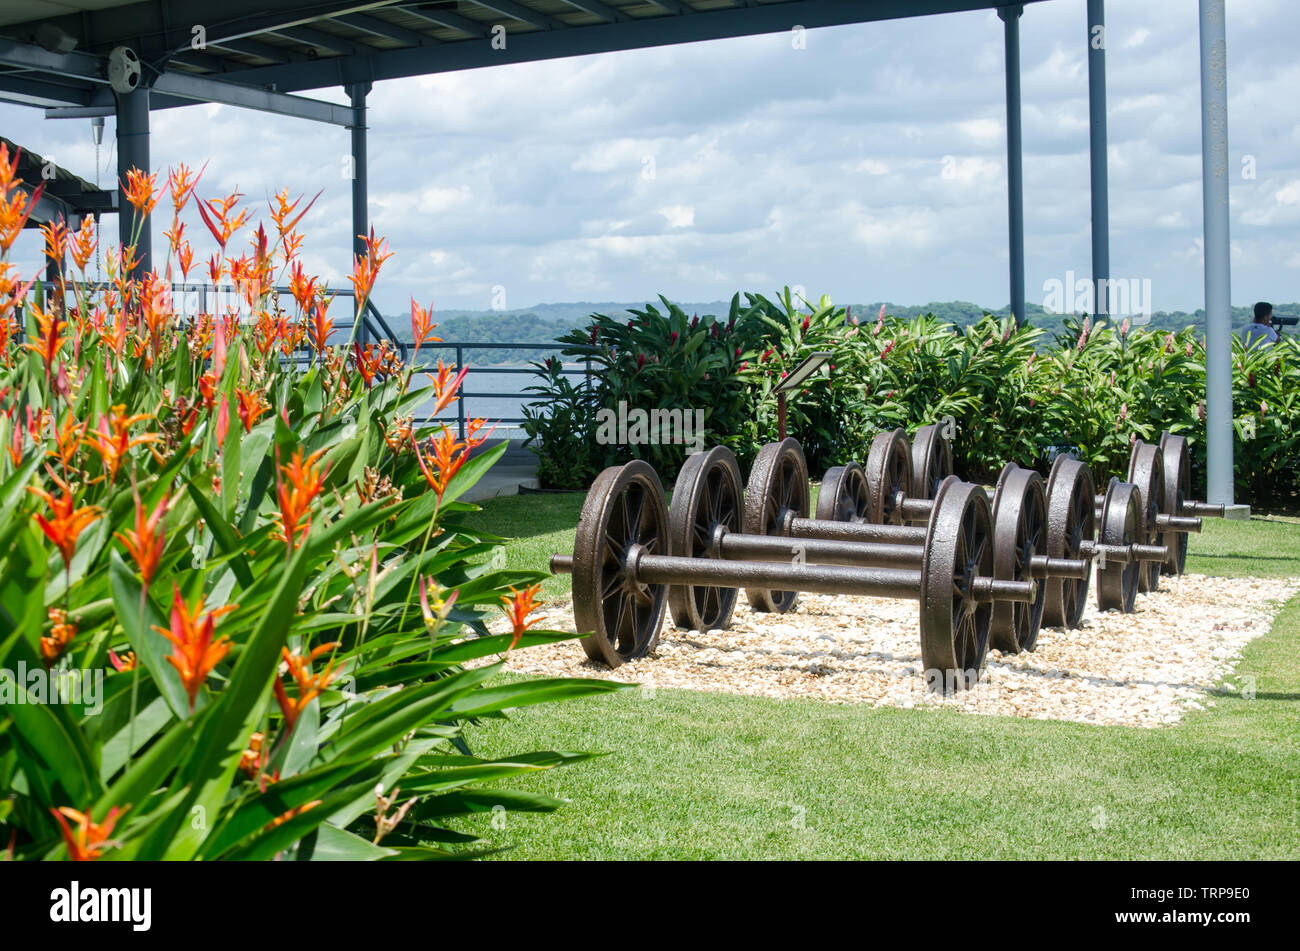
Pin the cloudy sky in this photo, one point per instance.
(870, 165)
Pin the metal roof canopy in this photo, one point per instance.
(258, 53)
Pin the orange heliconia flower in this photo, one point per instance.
(15, 208)
(250, 407)
(112, 439)
(68, 436)
(138, 189)
(305, 483)
(321, 326)
(302, 286)
(91, 838)
(215, 213)
(282, 208)
(185, 256)
(49, 338)
(445, 386)
(66, 521)
(517, 606)
(365, 267)
(449, 454)
(181, 182)
(83, 243)
(122, 663)
(194, 652)
(292, 814)
(368, 361)
(55, 234)
(309, 685)
(422, 324)
(146, 541)
(61, 635)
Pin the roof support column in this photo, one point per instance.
(1218, 268)
(357, 92)
(1015, 167)
(1097, 160)
(133, 152)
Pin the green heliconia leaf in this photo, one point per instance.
(151, 648)
(223, 734)
(329, 844)
(225, 534)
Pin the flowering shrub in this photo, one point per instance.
(234, 595)
(1011, 392)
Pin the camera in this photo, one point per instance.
(1285, 320)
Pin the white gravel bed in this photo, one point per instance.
(1145, 669)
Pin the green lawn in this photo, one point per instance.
(696, 775)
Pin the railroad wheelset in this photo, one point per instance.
(621, 575)
(1071, 535)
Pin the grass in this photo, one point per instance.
(696, 775)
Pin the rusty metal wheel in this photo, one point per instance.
(889, 477)
(1019, 534)
(958, 550)
(1146, 470)
(844, 496)
(623, 518)
(931, 462)
(1071, 520)
(1178, 490)
(1121, 524)
(778, 487)
(707, 497)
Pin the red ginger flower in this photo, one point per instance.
(91, 839)
(194, 652)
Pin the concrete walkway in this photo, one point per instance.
(517, 467)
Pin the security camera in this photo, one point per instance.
(123, 70)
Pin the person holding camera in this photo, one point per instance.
(1261, 331)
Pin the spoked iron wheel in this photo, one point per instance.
(844, 496)
(1121, 524)
(708, 496)
(1178, 489)
(958, 549)
(624, 517)
(1146, 470)
(931, 462)
(889, 477)
(1019, 534)
(778, 487)
(1071, 519)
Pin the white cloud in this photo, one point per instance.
(678, 216)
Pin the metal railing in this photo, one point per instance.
(376, 326)
(462, 412)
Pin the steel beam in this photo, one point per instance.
(643, 33)
(1097, 158)
(133, 152)
(377, 27)
(357, 92)
(450, 20)
(602, 10)
(517, 11)
(1015, 162)
(1218, 264)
